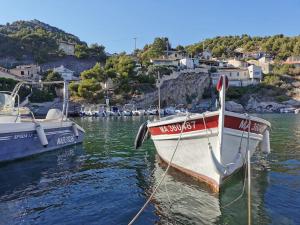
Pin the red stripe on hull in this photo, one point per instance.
(191, 125)
(241, 124)
(231, 122)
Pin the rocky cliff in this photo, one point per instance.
(187, 88)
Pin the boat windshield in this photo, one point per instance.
(6, 100)
(6, 104)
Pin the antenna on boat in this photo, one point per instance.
(65, 100)
(158, 86)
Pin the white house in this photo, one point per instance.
(236, 63)
(206, 55)
(27, 72)
(65, 73)
(171, 54)
(238, 77)
(66, 47)
(188, 63)
(265, 64)
(293, 60)
(255, 72)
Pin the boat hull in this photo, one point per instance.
(194, 156)
(22, 140)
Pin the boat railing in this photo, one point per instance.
(65, 93)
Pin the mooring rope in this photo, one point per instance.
(244, 160)
(246, 167)
(163, 176)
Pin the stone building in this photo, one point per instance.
(27, 72)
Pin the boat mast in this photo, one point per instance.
(222, 110)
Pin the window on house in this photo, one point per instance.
(22, 72)
(230, 74)
(238, 74)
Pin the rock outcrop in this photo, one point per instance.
(254, 106)
(185, 89)
(234, 107)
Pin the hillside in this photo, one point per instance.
(23, 40)
(278, 46)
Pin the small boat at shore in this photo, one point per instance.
(24, 136)
(287, 110)
(209, 146)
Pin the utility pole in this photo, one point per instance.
(167, 48)
(135, 38)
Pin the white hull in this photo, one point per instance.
(193, 155)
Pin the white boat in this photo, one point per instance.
(212, 145)
(102, 110)
(152, 110)
(82, 112)
(170, 110)
(21, 137)
(116, 111)
(287, 110)
(127, 109)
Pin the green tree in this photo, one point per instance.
(52, 76)
(121, 66)
(96, 73)
(97, 51)
(90, 89)
(81, 51)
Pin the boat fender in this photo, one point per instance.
(229, 168)
(75, 130)
(141, 135)
(41, 134)
(265, 143)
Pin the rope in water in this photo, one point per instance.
(163, 176)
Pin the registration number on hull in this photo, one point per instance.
(66, 139)
(190, 125)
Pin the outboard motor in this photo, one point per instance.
(141, 135)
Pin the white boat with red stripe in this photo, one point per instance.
(212, 145)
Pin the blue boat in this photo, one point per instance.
(24, 136)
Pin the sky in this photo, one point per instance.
(115, 23)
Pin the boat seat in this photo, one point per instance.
(54, 114)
